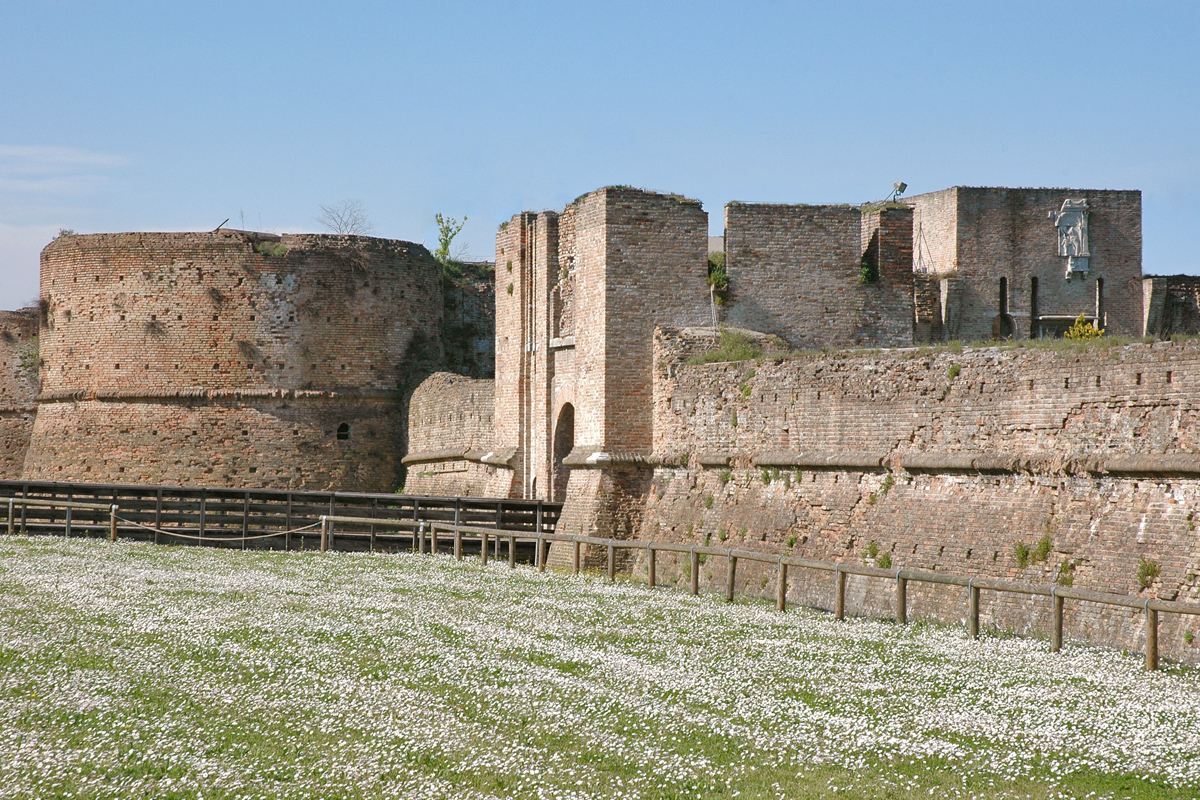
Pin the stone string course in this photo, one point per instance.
(1132, 405)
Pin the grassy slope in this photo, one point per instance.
(133, 671)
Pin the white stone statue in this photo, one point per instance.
(1071, 221)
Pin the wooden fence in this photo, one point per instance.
(424, 534)
(264, 518)
(1151, 607)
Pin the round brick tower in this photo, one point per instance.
(230, 358)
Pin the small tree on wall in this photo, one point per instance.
(448, 228)
(1083, 330)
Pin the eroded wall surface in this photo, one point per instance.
(18, 387)
(452, 438)
(945, 461)
(1171, 304)
(231, 358)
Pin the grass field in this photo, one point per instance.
(128, 670)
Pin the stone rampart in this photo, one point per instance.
(220, 337)
(18, 386)
(451, 448)
(945, 461)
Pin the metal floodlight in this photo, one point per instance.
(897, 189)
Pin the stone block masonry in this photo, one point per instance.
(944, 461)
(252, 357)
(18, 387)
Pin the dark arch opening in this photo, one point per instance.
(1003, 326)
(564, 442)
(343, 431)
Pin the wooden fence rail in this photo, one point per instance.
(1151, 607)
(262, 517)
(424, 534)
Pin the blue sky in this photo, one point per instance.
(175, 116)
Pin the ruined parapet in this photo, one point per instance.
(1171, 305)
(18, 386)
(231, 358)
(451, 448)
(821, 276)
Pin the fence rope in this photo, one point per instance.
(217, 538)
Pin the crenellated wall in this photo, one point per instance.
(213, 339)
(18, 386)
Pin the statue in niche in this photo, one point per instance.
(1071, 221)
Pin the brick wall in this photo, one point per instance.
(947, 461)
(284, 441)
(1006, 233)
(796, 271)
(18, 386)
(1171, 305)
(189, 326)
(450, 423)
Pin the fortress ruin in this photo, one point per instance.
(241, 359)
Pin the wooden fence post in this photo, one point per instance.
(245, 519)
(203, 508)
(781, 587)
(324, 533)
(433, 542)
(67, 532)
(1056, 628)
(483, 549)
(650, 565)
(112, 524)
(12, 524)
(541, 548)
(972, 609)
(457, 544)
(695, 572)
(730, 578)
(512, 551)
(575, 558)
(901, 599)
(612, 563)
(1151, 637)
(839, 603)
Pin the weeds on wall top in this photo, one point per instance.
(735, 346)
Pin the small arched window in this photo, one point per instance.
(343, 431)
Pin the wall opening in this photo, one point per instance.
(1034, 329)
(1003, 326)
(564, 442)
(1100, 322)
(343, 432)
